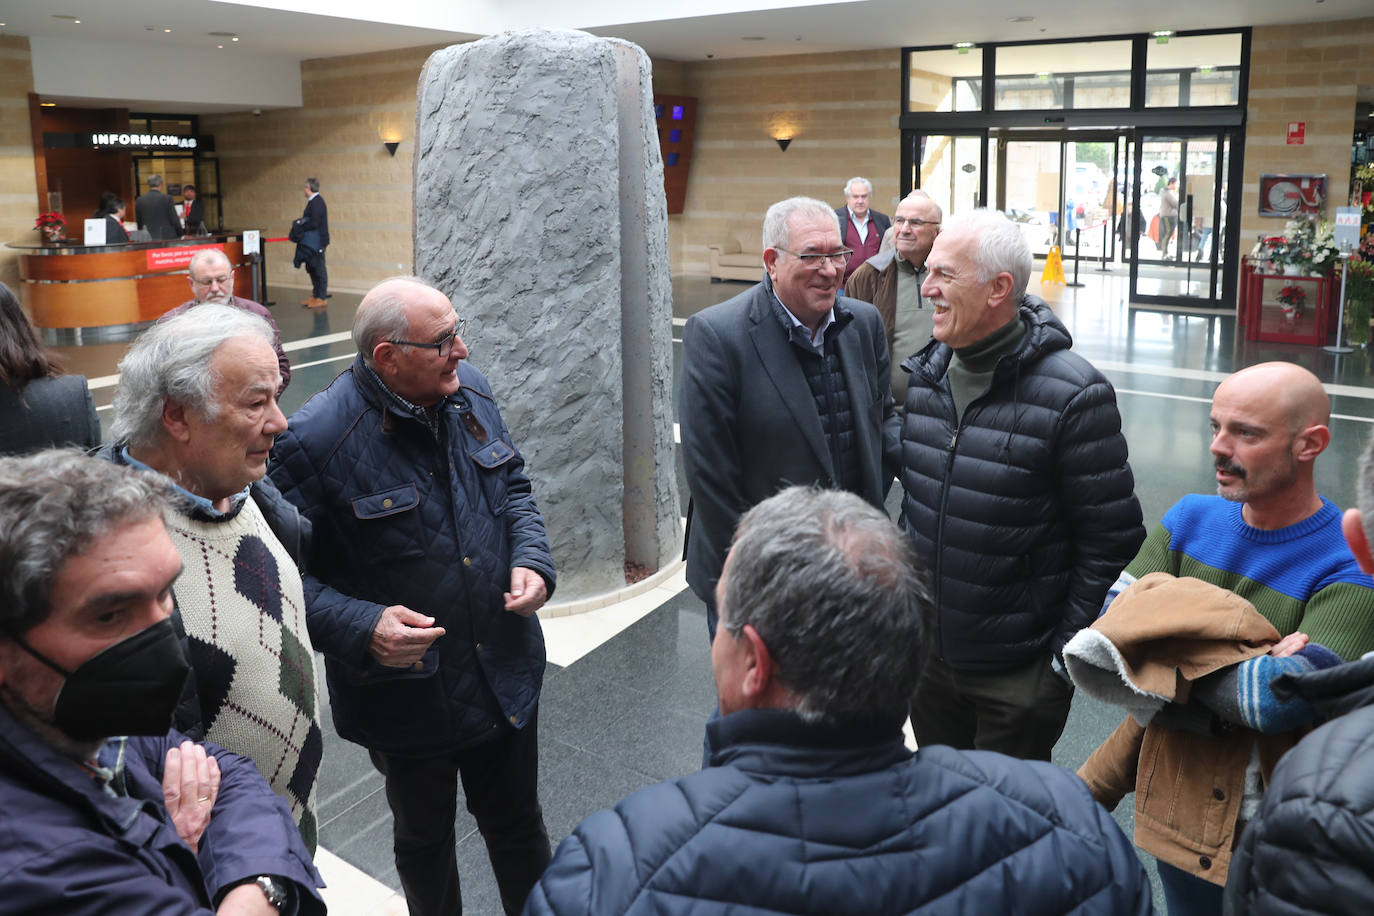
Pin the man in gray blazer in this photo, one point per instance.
(786, 383)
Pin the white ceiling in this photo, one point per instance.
(297, 29)
(291, 28)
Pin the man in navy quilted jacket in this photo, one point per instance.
(431, 559)
(812, 803)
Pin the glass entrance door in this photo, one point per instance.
(1180, 190)
(1062, 189)
(950, 168)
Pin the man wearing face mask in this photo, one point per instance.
(145, 822)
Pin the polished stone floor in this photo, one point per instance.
(626, 704)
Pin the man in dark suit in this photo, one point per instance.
(786, 383)
(156, 212)
(861, 229)
(191, 210)
(311, 235)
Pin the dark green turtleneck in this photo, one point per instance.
(970, 368)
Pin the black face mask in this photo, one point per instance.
(129, 688)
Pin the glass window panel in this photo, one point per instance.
(1080, 74)
(1201, 69)
(945, 80)
(949, 171)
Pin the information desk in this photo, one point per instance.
(1266, 318)
(77, 294)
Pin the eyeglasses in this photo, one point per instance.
(223, 280)
(900, 221)
(444, 345)
(816, 261)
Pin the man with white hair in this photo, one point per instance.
(212, 281)
(786, 383)
(861, 228)
(197, 404)
(1018, 494)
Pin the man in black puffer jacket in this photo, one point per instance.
(811, 803)
(1018, 494)
(1311, 848)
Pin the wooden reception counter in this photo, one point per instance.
(101, 293)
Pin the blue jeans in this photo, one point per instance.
(1188, 895)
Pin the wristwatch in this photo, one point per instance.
(272, 889)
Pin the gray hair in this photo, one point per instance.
(868, 185)
(207, 254)
(837, 593)
(313, 184)
(53, 504)
(171, 362)
(777, 233)
(1001, 247)
(381, 316)
(154, 181)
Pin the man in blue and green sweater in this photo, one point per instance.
(1272, 539)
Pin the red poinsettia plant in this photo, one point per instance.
(49, 219)
(1293, 295)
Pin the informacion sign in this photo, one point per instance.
(252, 241)
(1297, 132)
(175, 258)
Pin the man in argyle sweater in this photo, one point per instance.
(1271, 538)
(197, 404)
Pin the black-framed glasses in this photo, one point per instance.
(915, 222)
(816, 261)
(444, 345)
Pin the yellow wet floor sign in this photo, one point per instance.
(1054, 267)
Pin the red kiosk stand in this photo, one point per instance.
(1265, 318)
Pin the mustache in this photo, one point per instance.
(1230, 467)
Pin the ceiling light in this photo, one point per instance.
(48, 104)
(1020, 19)
(963, 46)
(752, 38)
(166, 31)
(65, 17)
(221, 47)
(235, 38)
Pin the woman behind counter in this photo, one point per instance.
(39, 407)
(112, 208)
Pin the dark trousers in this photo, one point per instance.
(1186, 894)
(1020, 712)
(499, 785)
(319, 276)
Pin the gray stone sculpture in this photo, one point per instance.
(539, 208)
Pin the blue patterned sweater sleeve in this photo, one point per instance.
(1243, 694)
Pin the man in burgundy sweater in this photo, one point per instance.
(861, 229)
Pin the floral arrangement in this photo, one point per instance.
(49, 219)
(1294, 296)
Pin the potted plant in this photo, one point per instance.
(1359, 292)
(52, 225)
(1291, 300)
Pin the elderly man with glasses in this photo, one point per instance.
(212, 281)
(786, 383)
(432, 559)
(891, 280)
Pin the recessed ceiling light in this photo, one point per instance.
(752, 38)
(965, 45)
(1020, 19)
(65, 17)
(47, 104)
(1162, 33)
(221, 34)
(235, 38)
(221, 47)
(166, 31)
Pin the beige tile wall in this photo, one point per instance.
(841, 110)
(18, 188)
(1303, 73)
(351, 105)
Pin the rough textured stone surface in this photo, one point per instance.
(539, 209)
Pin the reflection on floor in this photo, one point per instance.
(628, 688)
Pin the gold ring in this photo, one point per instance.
(203, 799)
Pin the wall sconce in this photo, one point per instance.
(783, 142)
(391, 146)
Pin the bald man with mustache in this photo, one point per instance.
(1271, 538)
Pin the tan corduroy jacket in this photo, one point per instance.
(1188, 786)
